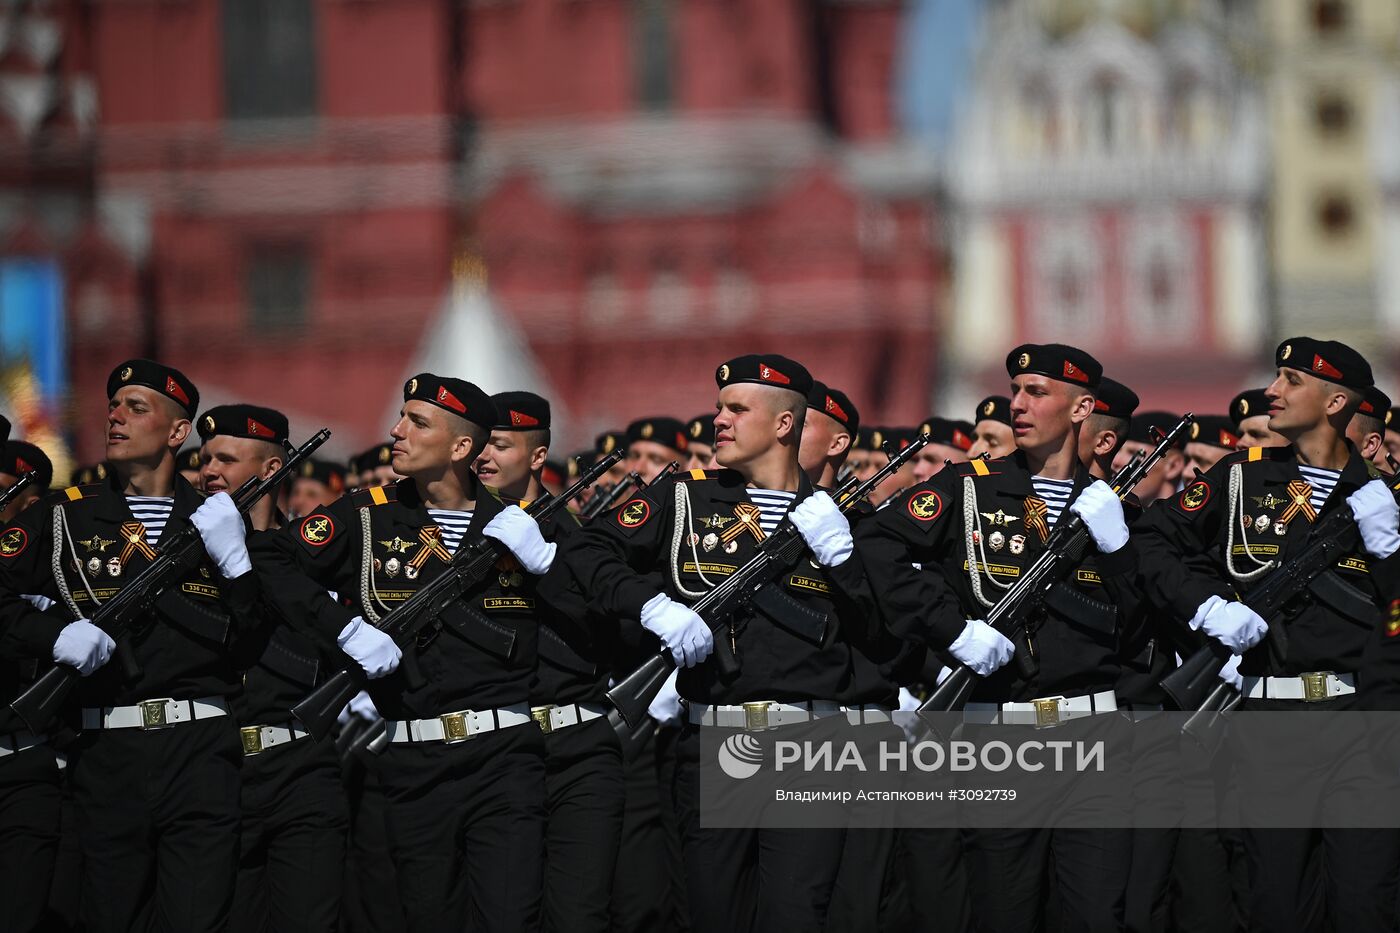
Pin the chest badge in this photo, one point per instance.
(1269, 501)
(747, 516)
(709, 542)
(97, 543)
(997, 540)
(716, 521)
(1000, 519)
(397, 545)
(1017, 543)
(1300, 496)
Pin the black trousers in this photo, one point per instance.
(158, 822)
(466, 830)
(585, 796)
(743, 880)
(371, 902)
(291, 867)
(648, 891)
(932, 881)
(1006, 876)
(30, 816)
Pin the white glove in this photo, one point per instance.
(907, 701)
(981, 647)
(665, 707)
(370, 648)
(824, 528)
(1234, 625)
(361, 705)
(37, 601)
(521, 533)
(84, 646)
(1377, 516)
(905, 716)
(1230, 673)
(1102, 512)
(684, 633)
(221, 529)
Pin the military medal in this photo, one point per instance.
(94, 566)
(1018, 544)
(997, 540)
(692, 539)
(1246, 520)
(1261, 524)
(391, 566)
(114, 567)
(1280, 528)
(731, 546)
(709, 542)
(411, 572)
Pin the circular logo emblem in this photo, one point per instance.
(385, 455)
(1387, 417)
(12, 542)
(101, 471)
(724, 373)
(1195, 430)
(988, 408)
(740, 756)
(609, 444)
(308, 468)
(925, 428)
(1286, 352)
(877, 439)
(413, 385)
(926, 506)
(1195, 496)
(125, 374)
(209, 423)
(1024, 360)
(317, 529)
(634, 513)
(1244, 407)
(696, 428)
(648, 430)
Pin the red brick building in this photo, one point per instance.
(290, 199)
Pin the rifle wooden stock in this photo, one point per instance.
(633, 694)
(39, 704)
(470, 565)
(1067, 546)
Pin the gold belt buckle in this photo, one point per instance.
(1047, 711)
(153, 714)
(756, 716)
(454, 727)
(1315, 686)
(252, 739)
(541, 715)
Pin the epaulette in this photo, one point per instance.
(725, 477)
(684, 475)
(978, 467)
(1257, 455)
(74, 493)
(374, 495)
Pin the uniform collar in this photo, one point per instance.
(1018, 481)
(112, 507)
(730, 486)
(414, 514)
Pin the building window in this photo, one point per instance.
(269, 50)
(1336, 216)
(1066, 277)
(277, 283)
(1162, 303)
(1330, 16)
(652, 52)
(1332, 113)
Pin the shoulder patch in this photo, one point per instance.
(13, 541)
(1195, 496)
(1392, 622)
(925, 506)
(317, 529)
(634, 514)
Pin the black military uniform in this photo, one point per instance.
(154, 779)
(737, 878)
(292, 840)
(1251, 511)
(464, 771)
(1075, 638)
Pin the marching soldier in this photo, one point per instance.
(189, 464)
(1392, 432)
(1018, 500)
(653, 443)
(901, 479)
(700, 432)
(1366, 430)
(292, 838)
(991, 430)
(375, 467)
(866, 454)
(16, 459)
(949, 441)
(463, 775)
(1164, 479)
(739, 879)
(1249, 513)
(1211, 438)
(318, 483)
(154, 779)
(1249, 413)
(584, 786)
(832, 422)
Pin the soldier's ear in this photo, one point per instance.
(179, 432)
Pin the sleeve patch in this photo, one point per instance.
(1194, 497)
(926, 506)
(13, 541)
(1392, 623)
(316, 530)
(634, 514)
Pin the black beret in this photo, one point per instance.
(1215, 430)
(520, 411)
(901, 437)
(870, 438)
(835, 404)
(1114, 399)
(85, 475)
(578, 462)
(994, 408)
(668, 432)
(947, 432)
(1247, 404)
(250, 421)
(167, 381)
(1326, 359)
(765, 370)
(1140, 429)
(1390, 419)
(456, 396)
(1374, 404)
(377, 456)
(1057, 361)
(188, 459)
(701, 429)
(21, 456)
(607, 442)
(554, 471)
(323, 471)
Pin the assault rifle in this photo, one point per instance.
(44, 698)
(25, 480)
(749, 585)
